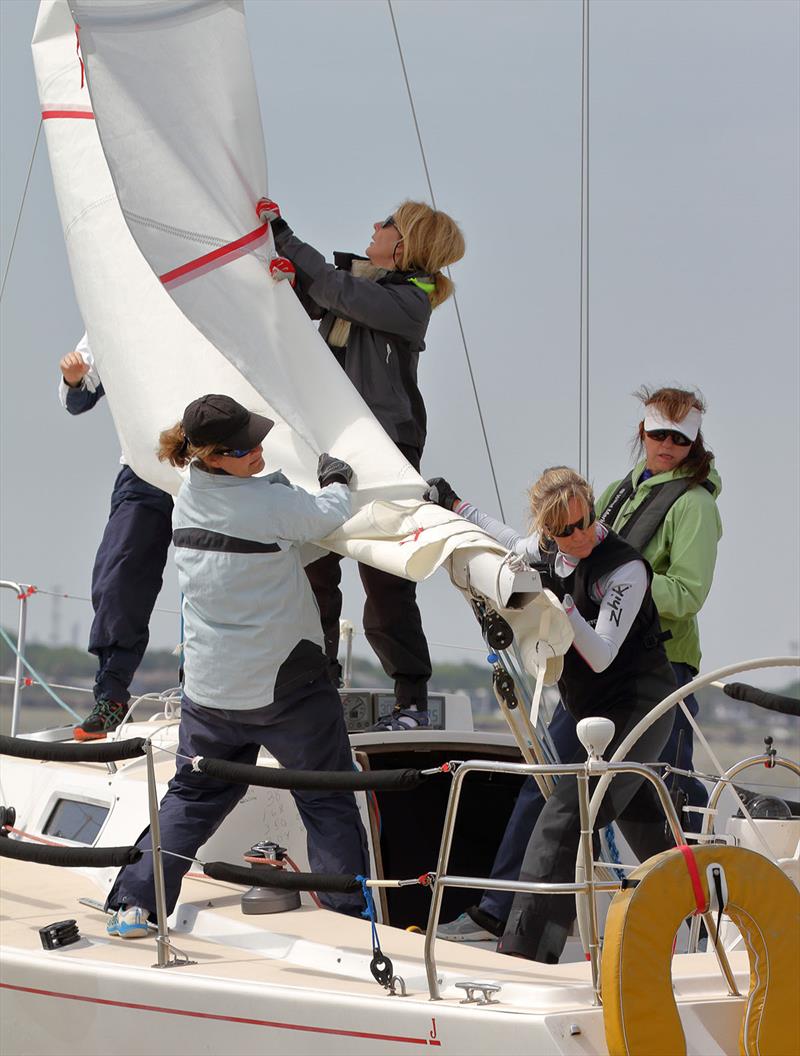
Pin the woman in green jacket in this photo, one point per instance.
(666, 507)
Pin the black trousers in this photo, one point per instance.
(538, 925)
(304, 730)
(126, 579)
(392, 620)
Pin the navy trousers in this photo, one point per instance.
(679, 751)
(523, 818)
(126, 580)
(304, 729)
(392, 620)
(538, 924)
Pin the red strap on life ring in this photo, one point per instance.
(694, 876)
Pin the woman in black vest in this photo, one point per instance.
(616, 667)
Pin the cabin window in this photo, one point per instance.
(73, 819)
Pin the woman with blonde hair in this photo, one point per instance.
(616, 667)
(374, 313)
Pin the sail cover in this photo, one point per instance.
(158, 160)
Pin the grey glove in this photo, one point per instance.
(440, 492)
(332, 470)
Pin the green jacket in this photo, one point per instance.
(682, 554)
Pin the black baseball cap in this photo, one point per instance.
(221, 421)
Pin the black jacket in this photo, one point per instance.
(389, 317)
(587, 692)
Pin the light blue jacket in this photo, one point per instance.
(250, 619)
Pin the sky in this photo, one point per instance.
(693, 269)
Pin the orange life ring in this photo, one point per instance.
(639, 1011)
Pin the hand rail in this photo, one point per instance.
(588, 887)
(654, 715)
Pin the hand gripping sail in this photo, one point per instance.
(187, 305)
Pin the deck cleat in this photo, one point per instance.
(484, 992)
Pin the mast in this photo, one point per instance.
(583, 353)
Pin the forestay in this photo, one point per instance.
(187, 305)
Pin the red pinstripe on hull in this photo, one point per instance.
(224, 1019)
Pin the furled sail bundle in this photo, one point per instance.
(170, 265)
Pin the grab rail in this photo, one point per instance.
(708, 818)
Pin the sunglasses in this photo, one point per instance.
(237, 452)
(390, 222)
(678, 439)
(569, 529)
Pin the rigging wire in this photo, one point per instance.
(583, 350)
(455, 298)
(19, 213)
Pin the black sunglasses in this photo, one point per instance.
(678, 439)
(569, 529)
(391, 222)
(237, 452)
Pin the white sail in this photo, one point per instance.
(187, 306)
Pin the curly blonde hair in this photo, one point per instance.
(431, 241)
(550, 496)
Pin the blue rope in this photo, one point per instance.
(38, 677)
(613, 850)
(369, 907)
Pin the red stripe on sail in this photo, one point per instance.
(217, 257)
(85, 115)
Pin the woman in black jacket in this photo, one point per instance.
(616, 667)
(374, 313)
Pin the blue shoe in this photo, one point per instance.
(129, 923)
(464, 929)
(403, 719)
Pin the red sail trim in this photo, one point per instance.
(86, 115)
(216, 258)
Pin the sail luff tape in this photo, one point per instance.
(217, 258)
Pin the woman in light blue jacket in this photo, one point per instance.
(256, 673)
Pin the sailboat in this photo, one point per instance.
(299, 980)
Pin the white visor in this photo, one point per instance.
(689, 426)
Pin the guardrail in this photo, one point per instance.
(22, 592)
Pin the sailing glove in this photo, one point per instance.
(267, 210)
(332, 470)
(440, 492)
(281, 268)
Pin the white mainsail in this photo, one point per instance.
(187, 306)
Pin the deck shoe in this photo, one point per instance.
(105, 716)
(129, 923)
(403, 719)
(464, 929)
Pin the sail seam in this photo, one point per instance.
(88, 209)
(169, 229)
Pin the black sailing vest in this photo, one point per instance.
(587, 692)
(644, 522)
